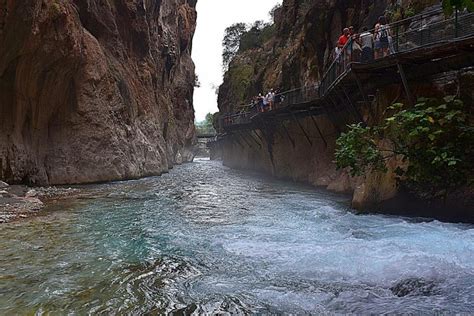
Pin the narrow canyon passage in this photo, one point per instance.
(206, 238)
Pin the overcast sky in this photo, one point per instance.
(213, 17)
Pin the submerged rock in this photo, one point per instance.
(414, 286)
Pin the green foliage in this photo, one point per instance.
(434, 139)
(267, 33)
(450, 5)
(358, 149)
(206, 126)
(240, 38)
(55, 9)
(409, 12)
(240, 77)
(256, 36)
(231, 41)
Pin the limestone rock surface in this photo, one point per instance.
(94, 90)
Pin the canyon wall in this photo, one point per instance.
(304, 36)
(94, 90)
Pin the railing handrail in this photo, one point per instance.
(321, 85)
(398, 36)
(390, 26)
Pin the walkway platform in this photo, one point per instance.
(422, 49)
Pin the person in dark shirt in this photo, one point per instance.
(367, 40)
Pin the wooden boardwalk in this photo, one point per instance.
(422, 50)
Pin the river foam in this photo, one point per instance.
(207, 239)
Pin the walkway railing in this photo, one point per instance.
(407, 35)
(282, 100)
(404, 36)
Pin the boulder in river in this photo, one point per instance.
(414, 287)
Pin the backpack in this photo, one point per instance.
(383, 31)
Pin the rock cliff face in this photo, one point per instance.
(305, 34)
(94, 90)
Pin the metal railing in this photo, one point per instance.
(406, 35)
(241, 118)
(281, 100)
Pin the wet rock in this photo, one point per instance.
(414, 287)
(21, 202)
(3, 185)
(31, 194)
(179, 158)
(13, 207)
(34, 204)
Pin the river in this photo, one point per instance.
(205, 238)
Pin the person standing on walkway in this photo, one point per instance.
(344, 38)
(367, 40)
(382, 37)
(356, 49)
(270, 98)
(261, 106)
(265, 103)
(341, 44)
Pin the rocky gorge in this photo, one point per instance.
(298, 53)
(94, 91)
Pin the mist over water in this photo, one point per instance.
(206, 239)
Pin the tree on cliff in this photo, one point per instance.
(231, 42)
(240, 37)
(274, 10)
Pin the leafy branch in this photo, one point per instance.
(434, 140)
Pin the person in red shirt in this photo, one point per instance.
(343, 38)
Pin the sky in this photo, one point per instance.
(213, 18)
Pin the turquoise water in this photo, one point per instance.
(206, 239)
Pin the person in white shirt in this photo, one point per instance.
(271, 98)
(367, 41)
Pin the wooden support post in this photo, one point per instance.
(319, 131)
(335, 110)
(356, 111)
(405, 84)
(255, 140)
(245, 140)
(279, 133)
(259, 137)
(236, 140)
(331, 117)
(288, 135)
(364, 95)
(346, 109)
(302, 128)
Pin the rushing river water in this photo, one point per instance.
(208, 239)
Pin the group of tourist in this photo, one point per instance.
(266, 103)
(351, 47)
(365, 46)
